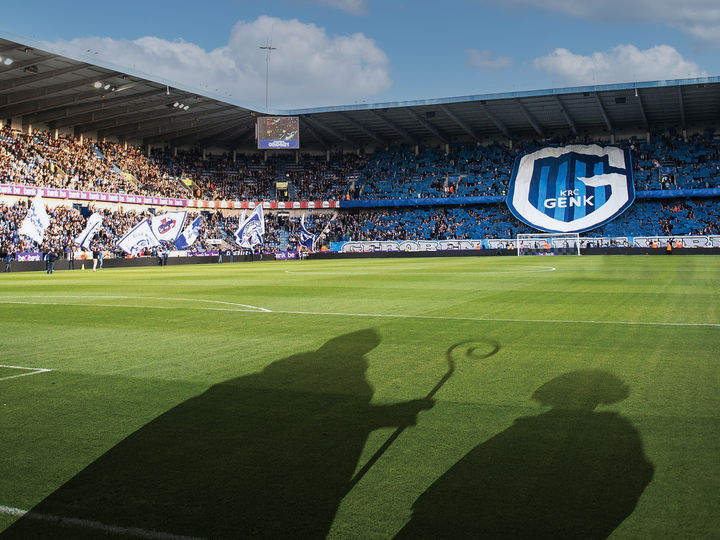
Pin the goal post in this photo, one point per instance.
(548, 244)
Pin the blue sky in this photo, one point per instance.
(334, 52)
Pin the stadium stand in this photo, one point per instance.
(39, 159)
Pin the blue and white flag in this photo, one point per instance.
(571, 189)
(251, 230)
(138, 238)
(307, 239)
(36, 220)
(167, 227)
(94, 224)
(189, 235)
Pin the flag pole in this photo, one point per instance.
(470, 353)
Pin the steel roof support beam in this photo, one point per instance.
(120, 116)
(362, 129)
(240, 128)
(466, 128)
(312, 132)
(11, 47)
(244, 136)
(47, 105)
(31, 94)
(498, 124)
(643, 114)
(427, 125)
(14, 83)
(59, 113)
(530, 118)
(171, 132)
(203, 135)
(604, 114)
(397, 129)
(26, 63)
(317, 124)
(681, 101)
(567, 116)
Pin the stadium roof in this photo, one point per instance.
(92, 96)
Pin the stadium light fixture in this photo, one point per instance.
(106, 87)
(186, 107)
(176, 104)
(97, 84)
(8, 61)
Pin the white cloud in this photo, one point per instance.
(624, 63)
(485, 60)
(309, 67)
(699, 18)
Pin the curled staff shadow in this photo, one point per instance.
(568, 473)
(267, 455)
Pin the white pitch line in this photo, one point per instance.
(78, 304)
(491, 319)
(135, 532)
(369, 315)
(31, 371)
(105, 297)
(424, 273)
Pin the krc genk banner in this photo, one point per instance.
(572, 188)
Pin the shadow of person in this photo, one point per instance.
(568, 473)
(263, 455)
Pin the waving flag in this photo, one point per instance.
(167, 227)
(36, 220)
(189, 235)
(307, 239)
(94, 223)
(138, 238)
(240, 224)
(250, 232)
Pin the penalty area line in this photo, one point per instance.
(492, 319)
(78, 523)
(30, 371)
(261, 310)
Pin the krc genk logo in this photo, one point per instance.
(572, 188)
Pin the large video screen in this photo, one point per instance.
(278, 132)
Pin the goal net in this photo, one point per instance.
(548, 244)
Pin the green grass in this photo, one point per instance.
(170, 407)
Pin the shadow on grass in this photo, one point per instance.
(264, 455)
(568, 473)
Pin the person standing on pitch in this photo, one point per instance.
(51, 258)
(95, 257)
(71, 257)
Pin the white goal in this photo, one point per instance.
(548, 244)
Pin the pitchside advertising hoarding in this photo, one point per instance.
(278, 132)
(573, 188)
(368, 246)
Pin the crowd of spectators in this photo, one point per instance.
(643, 218)
(66, 223)
(666, 161)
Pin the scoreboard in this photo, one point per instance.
(278, 132)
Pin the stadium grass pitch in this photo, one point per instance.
(571, 396)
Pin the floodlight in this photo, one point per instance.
(8, 61)
(106, 87)
(186, 107)
(176, 104)
(97, 84)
